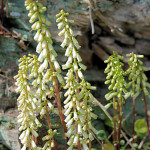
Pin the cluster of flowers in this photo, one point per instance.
(115, 77)
(26, 104)
(78, 111)
(137, 75)
(33, 95)
(32, 102)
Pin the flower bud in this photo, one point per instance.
(33, 144)
(67, 99)
(39, 47)
(62, 32)
(38, 25)
(48, 35)
(44, 52)
(60, 25)
(68, 117)
(69, 132)
(22, 135)
(76, 43)
(34, 133)
(67, 112)
(50, 105)
(40, 37)
(42, 10)
(75, 116)
(34, 26)
(75, 142)
(74, 53)
(82, 66)
(70, 142)
(30, 14)
(44, 44)
(35, 8)
(37, 35)
(80, 75)
(33, 18)
(68, 51)
(75, 66)
(71, 31)
(50, 47)
(57, 66)
(60, 79)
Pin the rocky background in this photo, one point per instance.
(107, 26)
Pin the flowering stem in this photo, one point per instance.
(35, 140)
(29, 142)
(146, 114)
(120, 121)
(79, 145)
(57, 95)
(49, 123)
(56, 89)
(133, 119)
(114, 113)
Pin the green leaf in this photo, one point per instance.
(141, 127)
(101, 135)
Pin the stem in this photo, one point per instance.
(133, 119)
(57, 96)
(114, 120)
(27, 124)
(49, 124)
(79, 145)
(145, 103)
(56, 90)
(35, 140)
(120, 121)
(3, 76)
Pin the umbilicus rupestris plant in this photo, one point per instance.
(138, 83)
(115, 77)
(45, 73)
(78, 95)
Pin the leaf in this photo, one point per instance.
(141, 127)
(109, 146)
(101, 135)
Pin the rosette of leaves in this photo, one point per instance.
(115, 77)
(78, 111)
(138, 82)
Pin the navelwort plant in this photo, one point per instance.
(37, 80)
(78, 93)
(117, 87)
(138, 82)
